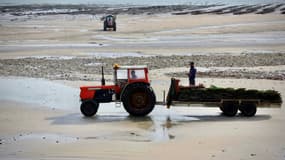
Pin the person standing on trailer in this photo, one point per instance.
(192, 74)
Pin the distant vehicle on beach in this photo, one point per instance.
(110, 22)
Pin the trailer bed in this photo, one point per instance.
(229, 100)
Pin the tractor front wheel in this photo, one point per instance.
(138, 99)
(89, 108)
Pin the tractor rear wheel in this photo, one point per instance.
(229, 109)
(89, 108)
(248, 109)
(138, 99)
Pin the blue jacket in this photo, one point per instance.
(192, 73)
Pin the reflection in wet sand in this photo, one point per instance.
(157, 127)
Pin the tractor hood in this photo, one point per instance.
(88, 92)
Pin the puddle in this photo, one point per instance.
(226, 39)
(157, 127)
(93, 54)
(15, 47)
(70, 45)
(39, 91)
(48, 57)
(224, 26)
(163, 122)
(116, 55)
(125, 39)
(213, 40)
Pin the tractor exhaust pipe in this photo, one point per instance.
(103, 79)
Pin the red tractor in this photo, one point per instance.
(131, 87)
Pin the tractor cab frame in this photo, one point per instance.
(130, 74)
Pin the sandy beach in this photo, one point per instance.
(46, 56)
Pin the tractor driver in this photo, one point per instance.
(133, 74)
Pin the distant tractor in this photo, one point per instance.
(110, 22)
(131, 87)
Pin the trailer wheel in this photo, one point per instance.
(229, 109)
(138, 99)
(89, 108)
(248, 109)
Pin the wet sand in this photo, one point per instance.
(159, 34)
(40, 118)
(34, 130)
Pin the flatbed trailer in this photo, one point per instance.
(229, 106)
